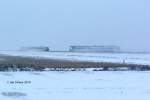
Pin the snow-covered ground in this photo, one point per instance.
(85, 85)
(133, 58)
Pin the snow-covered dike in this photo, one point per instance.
(130, 58)
(86, 85)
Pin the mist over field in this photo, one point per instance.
(108, 59)
(61, 23)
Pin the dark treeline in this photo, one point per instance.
(13, 63)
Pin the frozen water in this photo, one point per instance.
(86, 85)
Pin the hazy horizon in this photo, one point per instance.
(61, 23)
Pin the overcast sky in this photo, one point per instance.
(60, 23)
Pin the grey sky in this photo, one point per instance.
(60, 23)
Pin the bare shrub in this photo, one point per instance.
(14, 94)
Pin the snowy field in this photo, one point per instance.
(85, 85)
(131, 58)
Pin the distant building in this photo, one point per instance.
(94, 49)
(40, 48)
